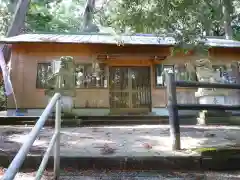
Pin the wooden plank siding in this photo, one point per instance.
(26, 56)
(218, 56)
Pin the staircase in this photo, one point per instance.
(105, 166)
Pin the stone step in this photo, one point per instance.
(153, 163)
(148, 175)
(233, 120)
(89, 121)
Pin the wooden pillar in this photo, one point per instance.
(173, 112)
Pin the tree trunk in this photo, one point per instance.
(88, 25)
(207, 28)
(18, 18)
(17, 24)
(12, 6)
(227, 10)
(88, 13)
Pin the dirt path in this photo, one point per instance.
(145, 140)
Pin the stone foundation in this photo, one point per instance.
(214, 117)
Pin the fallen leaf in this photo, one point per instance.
(107, 150)
(147, 146)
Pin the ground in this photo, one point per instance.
(127, 141)
(150, 175)
(138, 140)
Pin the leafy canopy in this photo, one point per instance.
(187, 20)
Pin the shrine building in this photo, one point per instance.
(114, 75)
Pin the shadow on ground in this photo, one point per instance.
(138, 140)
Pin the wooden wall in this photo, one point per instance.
(25, 58)
(230, 56)
(184, 95)
(218, 56)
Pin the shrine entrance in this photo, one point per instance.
(130, 90)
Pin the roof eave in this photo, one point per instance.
(49, 42)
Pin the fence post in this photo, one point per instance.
(173, 112)
(57, 143)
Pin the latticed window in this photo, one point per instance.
(160, 73)
(181, 73)
(229, 73)
(91, 75)
(44, 71)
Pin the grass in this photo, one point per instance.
(202, 150)
(219, 152)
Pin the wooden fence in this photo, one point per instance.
(173, 106)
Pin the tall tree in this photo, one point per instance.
(18, 19)
(58, 16)
(17, 24)
(187, 20)
(88, 25)
(227, 7)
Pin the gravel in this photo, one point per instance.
(134, 175)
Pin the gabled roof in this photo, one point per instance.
(101, 38)
(90, 39)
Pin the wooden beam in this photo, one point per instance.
(207, 107)
(173, 112)
(206, 85)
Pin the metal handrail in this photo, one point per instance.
(24, 150)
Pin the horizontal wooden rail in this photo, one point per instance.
(173, 106)
(207, 107)
(206, 85)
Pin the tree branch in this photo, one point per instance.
(235, 16)
(209, 4)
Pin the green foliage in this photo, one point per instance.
(2, 96)
(186, 20)
(237, 33)
(45, 15)
(55, 16)
(5, 16)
